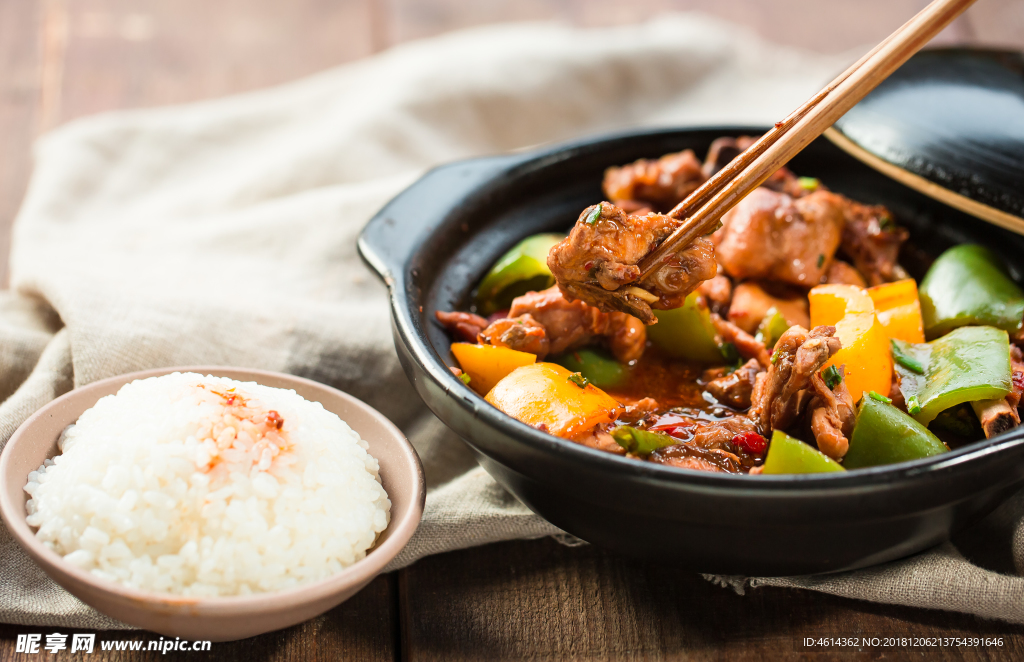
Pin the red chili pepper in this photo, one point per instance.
(681, 430)
(751, 442)
(1018, 380)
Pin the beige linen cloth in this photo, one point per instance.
(224, 233)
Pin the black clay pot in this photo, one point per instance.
(434, 242)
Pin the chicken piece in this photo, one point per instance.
(690, 456)
(639, 410)
(465, 326)
(717, 292)
(750, 303)
(717, 433)
(658, 184)
(772, 236)
(872, 241)
(600, 438)
(720, 434)
(832, 417)
(781, 394)
(735, 388)
(597, 262)
(842, 273)
(725, 149)
(747, 345)
(626, 336)
(571, 324)
(996, 416)
(1017, 371)
(521, 333)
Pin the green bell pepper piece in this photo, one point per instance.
(771, 328)
(596, 366)
(968, 364)
(686, 333)
(969, 286)
(885, 435)
(522, 269)
(788, 455)
(641, 442)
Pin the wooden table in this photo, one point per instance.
(61, 59)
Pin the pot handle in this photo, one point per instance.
(396, 232)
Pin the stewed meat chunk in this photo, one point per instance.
(832, 417)
(717, 292)
(597, 262)
(735, 388)
(659, 184)
(746, 345)
(841, 273)
(544, 323)
(572, 324)
(521, 333)
(464, 326)
(750, 304)
(872, 241)
(782, 394)
(688, 455)
(772, 236)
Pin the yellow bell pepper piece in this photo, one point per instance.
(899, 309)
(866, 354)
(830, 303)
(486, 365)
(543, 396)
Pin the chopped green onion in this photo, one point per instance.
(594, 215)
(730, 354)
(578, 379)
(821, 259)
(886, 222)
(808, 183)
(913, 406)
(874, 395)
(464, 378)
(905, 360)
(833, 377)
(775, 357)
(641, 442)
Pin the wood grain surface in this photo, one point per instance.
(539, 600)
(63, 59)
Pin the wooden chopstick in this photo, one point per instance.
(751, 168)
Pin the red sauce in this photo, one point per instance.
(274, 420)
(671, 382)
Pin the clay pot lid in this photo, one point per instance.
(950, 124)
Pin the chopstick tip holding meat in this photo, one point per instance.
(598, 262)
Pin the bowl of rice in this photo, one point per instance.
(210, 503)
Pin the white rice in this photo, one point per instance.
(173, 486)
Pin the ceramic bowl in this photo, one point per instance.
(434, 242)
(224, 618)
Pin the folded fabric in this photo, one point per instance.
(224, 233)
